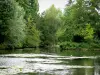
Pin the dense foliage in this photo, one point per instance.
(12, 24)
(48, 25)
(81, 19)
(31, 8)
(77, 27)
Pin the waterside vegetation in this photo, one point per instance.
(22, 26)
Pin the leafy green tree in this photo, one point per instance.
(31, 9)
(77, 16)
(33, 35)
(11, 23)
(87, 32)
(49, 24)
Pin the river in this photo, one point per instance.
(70, 62)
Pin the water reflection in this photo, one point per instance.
(49, 64)
(34, 74)
(97, 67)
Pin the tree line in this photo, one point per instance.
(21, 25)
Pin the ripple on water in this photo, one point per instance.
(25, 63)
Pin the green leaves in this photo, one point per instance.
(87, 32)
(12, 23)
(32, 38)
(21, 25)
(50, 21)
(80, 19)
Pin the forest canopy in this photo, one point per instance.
(21, 25)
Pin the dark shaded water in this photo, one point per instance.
(31, 62)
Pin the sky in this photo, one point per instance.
(45, 4)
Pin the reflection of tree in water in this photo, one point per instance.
(97, 67)
(85, 71)
(33, 74)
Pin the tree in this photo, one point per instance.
(87, 32)
(48, 25)
(12, 24)
(31, 9)
(76, 18)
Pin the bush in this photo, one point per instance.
(73, 45)
(2, 46)
(65, 45)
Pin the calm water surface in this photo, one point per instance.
(65, 63)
